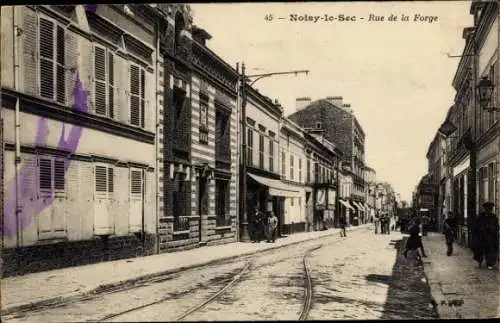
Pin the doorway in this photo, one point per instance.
(202, 205)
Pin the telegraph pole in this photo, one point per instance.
(244, 234)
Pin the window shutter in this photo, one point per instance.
(45, 174)
(60, 66)
(100, 80)
(29, 41)
(150, 202)
(59, 170)
(143, 97)
(111, 84)
(126, 87)
(135, 117)
(136, 182)
(86, 71)
(150, 119)
(47, 55)
(111, 182)
(100, 179)
(71, 62)
(121, 89)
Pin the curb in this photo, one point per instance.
(80, 295)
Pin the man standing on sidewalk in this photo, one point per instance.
(272, 224)
(342, 224)
(486, 236)
(449, 230)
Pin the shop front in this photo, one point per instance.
(270, 194)
(347, 209)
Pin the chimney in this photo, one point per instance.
(301, 103)
(347, 107)
(335, 100)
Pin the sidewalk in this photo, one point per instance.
(460, 289)
(38, 289)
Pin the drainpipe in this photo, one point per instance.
(238, 148)
(1, 161)
(157, 143)
(17, 125)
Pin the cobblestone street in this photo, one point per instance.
(350, 280)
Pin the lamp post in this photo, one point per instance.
(244, 234)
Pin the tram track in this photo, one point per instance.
(235, 279)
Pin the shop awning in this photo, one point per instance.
(276, 187)
(358, 205)
(346, 204)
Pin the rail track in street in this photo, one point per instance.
(235, 279)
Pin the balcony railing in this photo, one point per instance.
(223, 220)
(181, 223)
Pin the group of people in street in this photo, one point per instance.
(382, 224)
(263, 226)
(485, 236)
(484, 239)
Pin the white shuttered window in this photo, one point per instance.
(51, 41)
(137, 96)
(51, 173)
(104, 81)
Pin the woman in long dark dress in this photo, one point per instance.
(414, 241)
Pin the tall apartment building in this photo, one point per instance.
(343, 129)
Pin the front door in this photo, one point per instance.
(202, 204)
(308, 211)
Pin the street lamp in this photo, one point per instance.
(244, 234)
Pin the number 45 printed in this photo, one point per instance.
(269, 17)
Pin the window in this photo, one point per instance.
(491, 182)
(261, 150)
(203, 110)
(249, 147)
(291, 201)
(52, 53)
(104, 81)
(291, 167)
(271, 155)
(222, 203)
(492, 115)
(51, 175)
(103, 176)
(308, 170)
(318, 125)
(137, 95)
(283, 170)
(179, 207)
(300, 169)
(202, 196)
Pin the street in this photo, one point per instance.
(357, 277)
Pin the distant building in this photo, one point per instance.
(342, 129)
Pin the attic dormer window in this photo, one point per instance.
(318, 125)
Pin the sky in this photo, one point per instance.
(396, 75)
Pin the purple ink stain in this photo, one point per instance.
(91, 7)
(31, 204)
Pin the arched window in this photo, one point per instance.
(179, 26)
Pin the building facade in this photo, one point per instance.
(197, 147)
(370, 195)
(343, 129)
(322, 163)
(265, 190)
(472, 143)
(292, 143)
(80, 83)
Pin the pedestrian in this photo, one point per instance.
(272, 224)
(425, 224)
(256, 224)
(377, 222)
(342, 224)
(414, 241)
(485, 236)
(450, 231)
